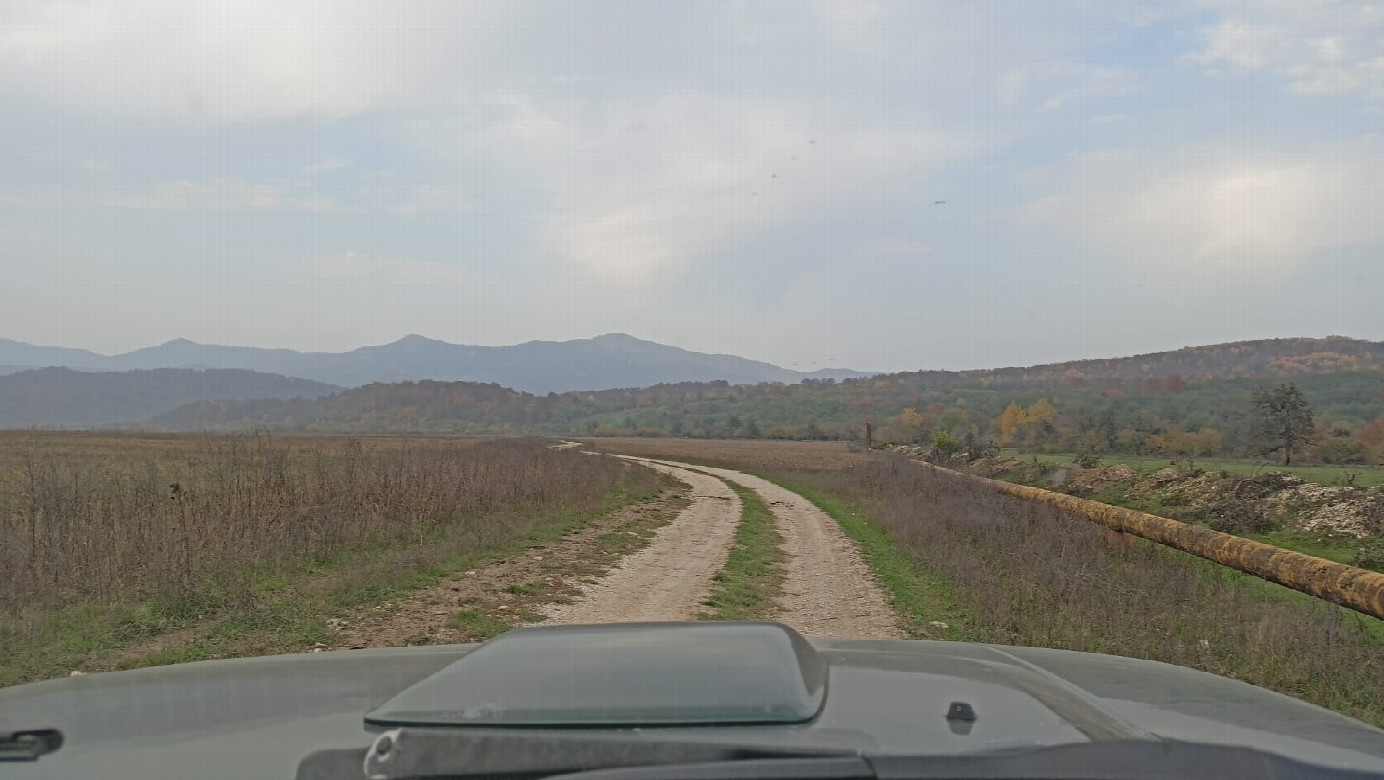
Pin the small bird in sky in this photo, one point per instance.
(938, 202)
(773, 175)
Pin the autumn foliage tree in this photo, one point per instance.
(915, 423)
(1010, 422)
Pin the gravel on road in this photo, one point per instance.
(669, 579)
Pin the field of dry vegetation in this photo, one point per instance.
(239, 545)
(994, 568)
(112, 540)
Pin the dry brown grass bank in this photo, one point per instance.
(1034, 574)
(1024, 573)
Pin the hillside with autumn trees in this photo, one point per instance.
(1192, 401)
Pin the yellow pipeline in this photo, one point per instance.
(1359, 589)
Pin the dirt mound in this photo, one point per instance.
(1161, 479)
(1324, 509)
(1266, 485)
(1087, 481)
(1263, 502)
(1239, 505)
(993, 467)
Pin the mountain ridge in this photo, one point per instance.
(608, 361)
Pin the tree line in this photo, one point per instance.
(1172, 415)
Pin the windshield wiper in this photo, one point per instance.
(29, 745)
(423, 753)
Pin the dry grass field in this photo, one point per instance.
(112, 543)
(998, 569)
(111, 539)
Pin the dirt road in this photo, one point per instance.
(669, 579)
(649, 562)
(828, 591)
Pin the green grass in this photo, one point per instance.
(1372, 627)
(919, 596)
(474, 622)
(1365, 476)
(749, 584)
(1339, 547)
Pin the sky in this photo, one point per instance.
(876, 185)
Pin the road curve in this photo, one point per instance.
(669, 579)
(828, 591)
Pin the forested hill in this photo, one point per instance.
(1138, 403)
(61, 397)
(1262, 358)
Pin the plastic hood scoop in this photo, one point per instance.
(633, 674)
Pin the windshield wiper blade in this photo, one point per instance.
(29, 745)
(422, 753)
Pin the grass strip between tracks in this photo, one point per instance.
(927, 603)
(752, 579)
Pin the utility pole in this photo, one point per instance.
(869, 433)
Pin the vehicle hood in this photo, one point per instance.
(258, 717)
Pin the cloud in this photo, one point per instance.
(1087, 82)
(434, 199)
(1319, 48)
(897, 250)
(642, 191)
(352, 267)
(222, 194)
(1220, 210)
(231, 60)
(326, 165)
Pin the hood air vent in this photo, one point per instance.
(633, 674)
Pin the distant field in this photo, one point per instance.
(752, 454)
(1365, 476)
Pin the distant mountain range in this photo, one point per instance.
(620, 383)
(64, 398)
(606, 362)
(1193, 388)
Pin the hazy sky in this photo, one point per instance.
(757, 178)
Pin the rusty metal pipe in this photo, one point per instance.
(1359, 589)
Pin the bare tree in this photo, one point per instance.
(1285, 420)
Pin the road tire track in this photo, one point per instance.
(828, 590)
(669, 579)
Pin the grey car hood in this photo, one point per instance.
(258, 717)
